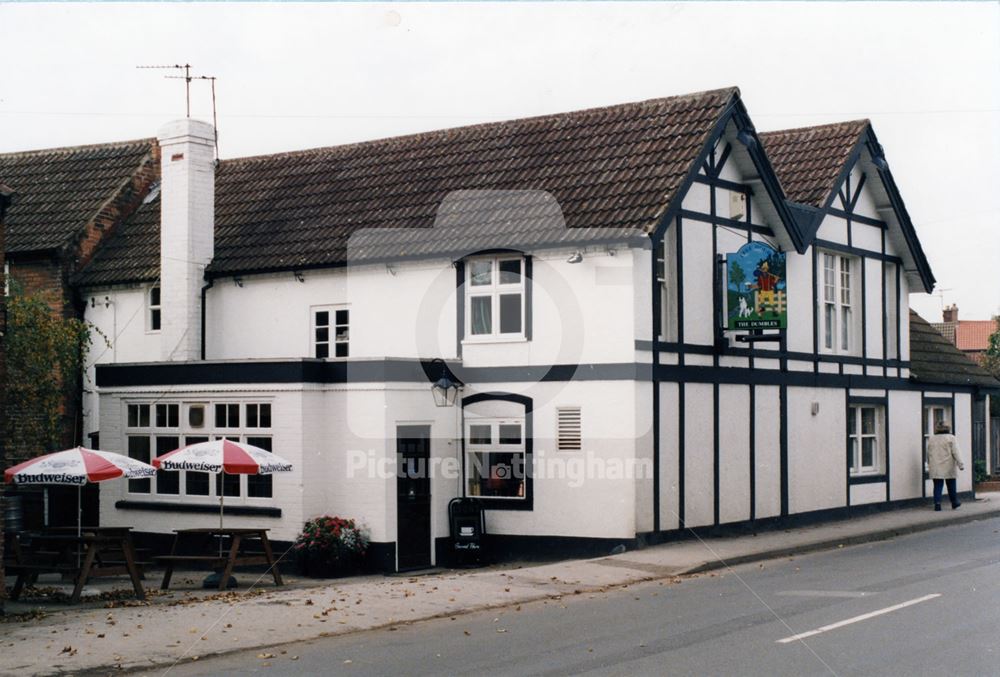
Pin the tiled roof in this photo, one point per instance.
(132, 254)
(808, 160)
(946, 329)
(933, 359)
(970, 335)
(610, 170)
(60, 190)
(975, 334)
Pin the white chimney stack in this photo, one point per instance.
(187, 233)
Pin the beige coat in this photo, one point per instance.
(942, 457)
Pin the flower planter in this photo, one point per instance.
(317, 565)
(331, 547)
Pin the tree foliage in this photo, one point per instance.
(991, 362)
(45, 353)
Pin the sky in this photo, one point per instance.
(293, 76)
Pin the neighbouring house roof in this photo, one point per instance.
(968, 335)
(946, 329)
(60, 190)
(812, 164)
(933, 359)
(610, 172)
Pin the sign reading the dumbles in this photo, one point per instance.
(756, 293)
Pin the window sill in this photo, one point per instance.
(867, 478)
(178, 506)
(493, 339)
(492, 503)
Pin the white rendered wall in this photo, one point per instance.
(767, 451)
(595, 496)
(817, 471)
(734, 453)
(582, 313)
(122, 335)
(699, 466)
(669, 455)
(905, 445)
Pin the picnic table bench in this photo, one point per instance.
(224, 559)
(94, 552)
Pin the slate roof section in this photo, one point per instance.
(61, 189)
(612, 172)
(933, 359)
(809, 160)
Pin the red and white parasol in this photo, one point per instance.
(216, 456)
(76, 467)
(232, 458)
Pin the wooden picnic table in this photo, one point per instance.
(202, 546)
(96, 551)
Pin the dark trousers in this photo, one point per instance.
(952, 491)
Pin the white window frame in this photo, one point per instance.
(494, 290)
(154, 310)
(495, 447)
(928, 419)
(837, 303)
(856, 437)
(210, 430)
(337, 334)
(666, 278)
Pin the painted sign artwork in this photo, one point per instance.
(756, 289)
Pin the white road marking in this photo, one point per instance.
(823, 593)
(857, 619)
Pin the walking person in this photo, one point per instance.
(942, 461)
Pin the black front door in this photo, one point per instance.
(413, 496)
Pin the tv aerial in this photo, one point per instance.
(188, 78)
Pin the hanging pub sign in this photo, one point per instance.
(756, 289)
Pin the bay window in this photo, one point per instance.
(153, 429)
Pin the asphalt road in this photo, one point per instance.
(925, 604)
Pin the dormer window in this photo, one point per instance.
(494, 297)
(153, 308)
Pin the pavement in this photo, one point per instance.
(109, 634)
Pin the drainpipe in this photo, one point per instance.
(204, 292)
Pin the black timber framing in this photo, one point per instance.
(657, 292)
(859, 218)
(421, 371)
(857, 251)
